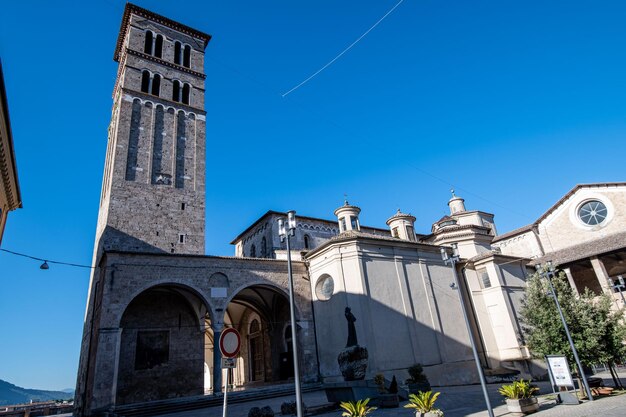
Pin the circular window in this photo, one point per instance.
(325, 287)
(592, 212)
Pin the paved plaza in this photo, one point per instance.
(460, 401)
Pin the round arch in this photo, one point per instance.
(165, 335)
(260, 312)
(174, 285)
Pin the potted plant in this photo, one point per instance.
(520, 396)
(356, 409)
(424, 404)
(388, 397)
(417, 381)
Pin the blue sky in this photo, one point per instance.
(512, 103)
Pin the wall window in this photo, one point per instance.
(395, 232)
(147, 47)
(263, 247)
(186, 90)
(255, 327)
(152, 349)
(156, 85)
(253, 251)
(325, 287)
(178, 51)
(342, 225)
(354, 223)
(307, 243)
(158, 46)
(153, 45)
(410, 232)
(592, 212)
(145, 81)
(187, 56)
(180, 92)
(150, 83)
(483, 277)
(176, 91)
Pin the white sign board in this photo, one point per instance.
(560, 371)
(228, 363)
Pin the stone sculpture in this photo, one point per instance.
(353, 358)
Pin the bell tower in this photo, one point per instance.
(153, 188)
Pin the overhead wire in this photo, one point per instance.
(47, 260)
(309, 78)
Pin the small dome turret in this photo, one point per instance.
(402, 226)
(456, 204)
(348, 217)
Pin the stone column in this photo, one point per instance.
(570, 279)
(217, 357)
(106, 368)
(602, 275)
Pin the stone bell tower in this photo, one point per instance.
(153, 188)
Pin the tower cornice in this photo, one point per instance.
(163, 101)
(165, 63)
(162, 20)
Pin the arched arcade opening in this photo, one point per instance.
(166, 346)
(261, 315)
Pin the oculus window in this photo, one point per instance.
(592, 213)
(325, 287)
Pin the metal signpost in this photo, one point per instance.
(230, 343)
(560, 376)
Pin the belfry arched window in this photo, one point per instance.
(178, 51)
(147, 47)
(156, 85)
(145, 81)
(150, 83)
(187, 56)
(158, 46)
(186, 91)
(176, 91)
(307, 243)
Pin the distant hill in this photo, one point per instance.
(12, 394)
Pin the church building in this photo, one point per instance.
(157, 304)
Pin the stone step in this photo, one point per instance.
(194, 403)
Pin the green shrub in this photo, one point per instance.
(416, 374)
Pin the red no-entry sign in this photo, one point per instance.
(230, 342)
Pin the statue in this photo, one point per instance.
(352, 340)
(353, 358)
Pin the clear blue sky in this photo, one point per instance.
(513, 103)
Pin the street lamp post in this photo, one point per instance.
(452, 260)
(285, 232)
(547, 272)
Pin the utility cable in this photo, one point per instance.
(344, 51)
(47, 260)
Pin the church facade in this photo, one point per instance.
(157, 304)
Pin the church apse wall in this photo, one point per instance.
(405, 310)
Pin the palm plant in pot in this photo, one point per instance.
(520, 396)
(417, 381)
(424, 404)
(356, 408)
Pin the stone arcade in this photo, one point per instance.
(157, 303)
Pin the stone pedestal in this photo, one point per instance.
(353, 363)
